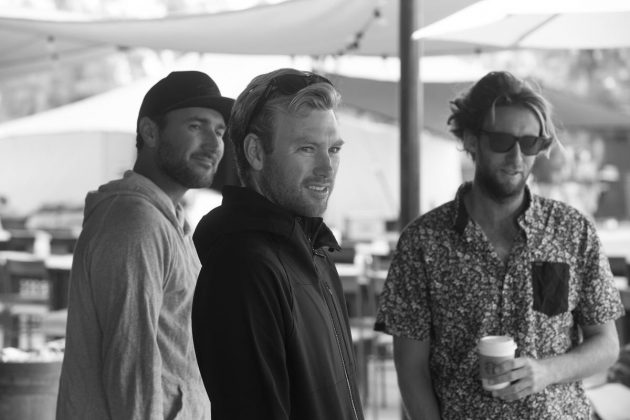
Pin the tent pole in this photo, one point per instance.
(410, 111)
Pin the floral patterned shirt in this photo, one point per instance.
(448, 285)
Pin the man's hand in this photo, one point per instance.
(526, 376)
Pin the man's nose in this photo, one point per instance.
(324, 166)
(515, 152)
(211, 137)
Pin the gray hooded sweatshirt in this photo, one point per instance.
(129, 351)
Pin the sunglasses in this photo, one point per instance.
(285, 84)
(504, 142)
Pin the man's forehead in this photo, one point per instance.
(509, 115)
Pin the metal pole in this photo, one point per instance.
(410, 111)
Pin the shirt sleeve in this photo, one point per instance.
(404, 308)
(241, 319)
(600, 301)
(127, 269)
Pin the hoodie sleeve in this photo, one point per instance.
(127, 268)
(241, 318)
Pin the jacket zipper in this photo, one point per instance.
(332, 320)
(343, 361)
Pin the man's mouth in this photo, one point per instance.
(513, 171)
(320, 189)
(209, 160)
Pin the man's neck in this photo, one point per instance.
(496, 218)
(171, 188)
(484, 207)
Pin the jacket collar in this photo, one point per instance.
(262, 214)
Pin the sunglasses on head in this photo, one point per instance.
(285, 84)
(504, 142)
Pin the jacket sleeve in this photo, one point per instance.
(241, 319)
(127, 268)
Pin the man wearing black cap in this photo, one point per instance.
(129, 351)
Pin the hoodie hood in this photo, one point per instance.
(134, 184)
(244, 210)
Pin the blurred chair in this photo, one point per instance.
(346, 255)
(21, 240)
(26, 299)
(54, 324)
(360, 325)
(621, 271)
(619, 267)
(62, 242)
(361, 286)
(381, 355)
(59, 278)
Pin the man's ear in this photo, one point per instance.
(149, 131)
(470, 142)
(254, 152)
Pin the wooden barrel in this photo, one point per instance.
(28, 391)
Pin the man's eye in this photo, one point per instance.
(335, 149)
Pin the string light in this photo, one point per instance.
(355, 42)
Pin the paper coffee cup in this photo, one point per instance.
(494, 350)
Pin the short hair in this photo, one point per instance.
(320, 96)
(159, 120)
(498, 88)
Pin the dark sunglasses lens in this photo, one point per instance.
(503, 142)
(530, 145)
(500, 142)
(289, 84)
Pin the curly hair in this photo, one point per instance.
(498, 88)
(321, 96)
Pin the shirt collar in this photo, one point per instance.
(461, 217)
(530, 219)
(526, 219)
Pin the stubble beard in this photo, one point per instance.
(495, 188)
(289, 197)
(178, 170)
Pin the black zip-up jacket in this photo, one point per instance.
(270, 325)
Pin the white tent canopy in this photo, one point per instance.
(564, 24)
(295, 27)
(116, 110)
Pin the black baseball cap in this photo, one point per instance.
(184, 89)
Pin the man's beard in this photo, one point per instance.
(495, 189)
(177, 169)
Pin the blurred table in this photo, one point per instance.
(615, 238)
(611, 401)
(58, 267)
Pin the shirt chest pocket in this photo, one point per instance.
(550, 284)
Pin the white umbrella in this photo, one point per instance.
(297, 27)
(545, 24)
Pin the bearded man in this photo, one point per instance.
(499, 260)
(270, 324)
(129, 351)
